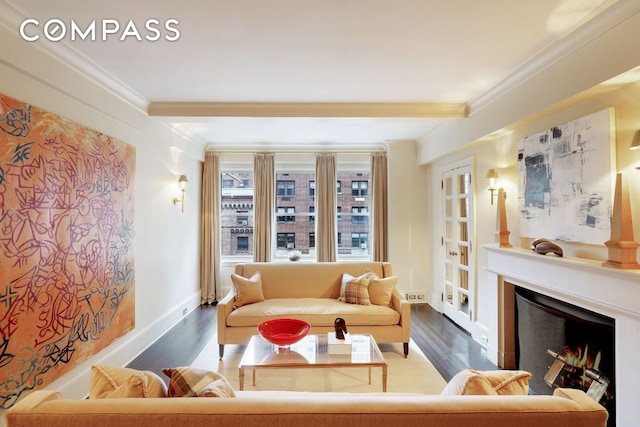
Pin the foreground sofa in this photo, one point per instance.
(567, 408)
(310, 291)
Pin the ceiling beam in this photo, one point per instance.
(307, 109)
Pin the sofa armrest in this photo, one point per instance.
(402, 306)
(224, 308)
(33, 400)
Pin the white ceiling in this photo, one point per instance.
(310, 51)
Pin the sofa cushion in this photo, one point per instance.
(316, 311)
(507, 381)
(468, 382)
(355, 290)
(194, 382)
(381, 289)
(108, 382)
(498, 382)
(248, 291)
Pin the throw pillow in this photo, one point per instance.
(193, 382)
(113, 381)
(468, 382)
(380, 290)
(508, 382)
(354, 290)
(247, 291)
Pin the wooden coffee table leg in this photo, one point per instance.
(241, 379)
(384, 378)
(254, 377)
(369, 375)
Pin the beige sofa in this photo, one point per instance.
(310, 291)
(567, 408)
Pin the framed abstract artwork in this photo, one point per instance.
(66, 245)
(565, 179)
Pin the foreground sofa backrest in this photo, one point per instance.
(307, 279)
(567, 408)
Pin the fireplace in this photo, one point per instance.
(564, 345)
(587, 284)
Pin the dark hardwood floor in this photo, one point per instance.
(447, 346)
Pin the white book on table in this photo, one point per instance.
(337, 346)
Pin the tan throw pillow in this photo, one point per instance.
(380, 290)
(193, 382)
(468, 382)
(247, 291)
(113, 381)
(354, 290)
(507, 382)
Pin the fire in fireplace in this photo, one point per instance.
(563, 345)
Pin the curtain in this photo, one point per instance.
(264, 200)
(210, 291)
(379, 205)
(326, 177)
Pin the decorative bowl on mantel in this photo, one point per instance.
(283, 332)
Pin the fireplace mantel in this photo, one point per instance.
(585, 283)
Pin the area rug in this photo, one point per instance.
(415, 374)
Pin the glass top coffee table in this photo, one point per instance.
(312, 352)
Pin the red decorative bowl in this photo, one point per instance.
(283, 332)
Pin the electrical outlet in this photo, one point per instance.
(420, 296)
(184, 311)
(484, 339)
(412, 296)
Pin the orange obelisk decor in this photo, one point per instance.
(502, 232)
(622, 247)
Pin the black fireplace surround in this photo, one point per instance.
(563, 345)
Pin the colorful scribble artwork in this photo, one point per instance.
(66, 245)
(565, 181)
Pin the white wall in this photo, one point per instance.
(166, 241)
(409, 231)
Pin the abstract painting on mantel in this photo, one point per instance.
(66, 245)
(566, 181)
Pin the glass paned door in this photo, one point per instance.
(458, 270)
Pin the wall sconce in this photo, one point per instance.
(492, 175)
(182, 181)
(635, 144)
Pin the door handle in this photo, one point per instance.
(453, 253)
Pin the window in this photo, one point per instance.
(360, 240)
(359, 188)
(359, 210)
(286, 240)
(242, 218)
(242, 244)
(352, 213)
(295, 216)
(294, 208)
(285, 188)
(290, 219)
(236, 213)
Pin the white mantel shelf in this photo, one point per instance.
(585, 283)
(582, 280)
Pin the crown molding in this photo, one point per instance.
(310, 109)
(11, 17)
(572, 41)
